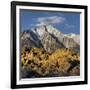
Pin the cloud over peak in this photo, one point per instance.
(50, 20)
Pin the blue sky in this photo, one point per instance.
(66, 22)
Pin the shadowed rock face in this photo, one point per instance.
(49, 38)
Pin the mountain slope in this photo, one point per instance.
(67, 41)
(49, 38)
(75, 37)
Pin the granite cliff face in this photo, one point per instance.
(49, 38)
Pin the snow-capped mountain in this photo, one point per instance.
(49, 38)
(75, 37)
(70, 35)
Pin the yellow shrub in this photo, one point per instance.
(45, 64)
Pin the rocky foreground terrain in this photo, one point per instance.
(46, 52)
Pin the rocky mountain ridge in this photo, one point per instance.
(49, 38)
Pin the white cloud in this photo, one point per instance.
(50, 20)
(69, 26)
(32, 25)
(40, 24)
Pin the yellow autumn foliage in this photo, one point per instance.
(45, 64)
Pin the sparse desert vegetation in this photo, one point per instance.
(37, 62)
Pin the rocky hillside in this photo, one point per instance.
(75, 37)
(49, 38)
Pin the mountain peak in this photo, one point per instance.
(70, 35)
(49, 38)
